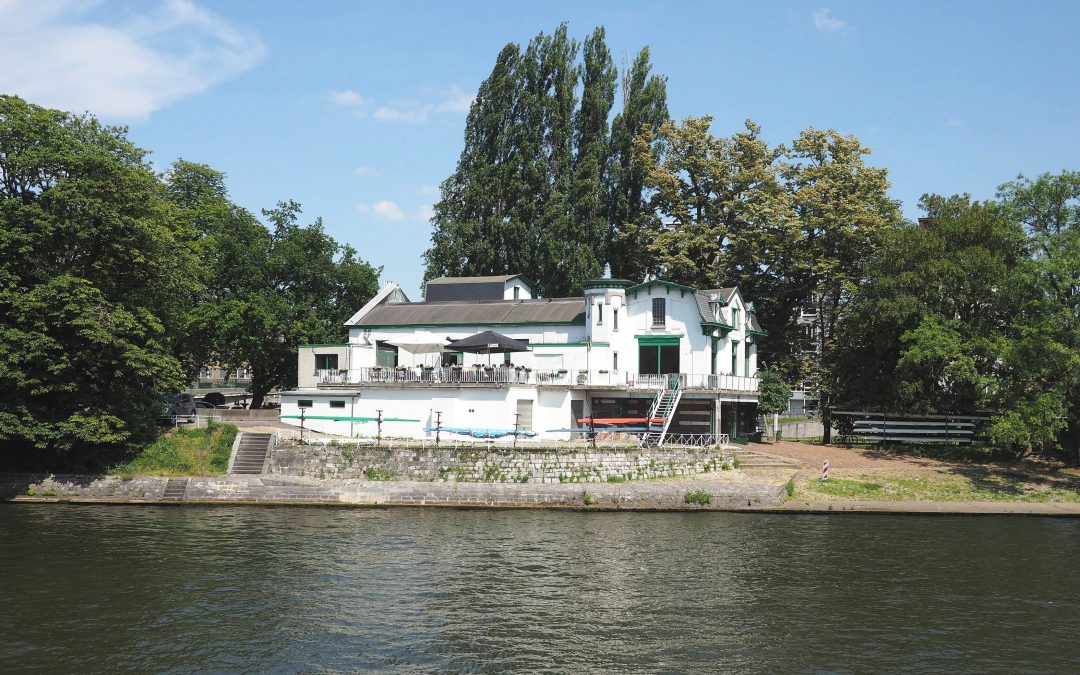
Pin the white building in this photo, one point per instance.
(605, 355)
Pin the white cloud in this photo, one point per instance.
(429, 190)
(388, 210)
(956, 121)
(366, 171)
(407, 111)
(825, 22)
(347, 97)
(457, 101)
(59, 57)
(410, 112)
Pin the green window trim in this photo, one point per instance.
(658, 340)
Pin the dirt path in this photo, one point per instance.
(811, 456)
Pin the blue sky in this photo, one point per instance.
(356, 110)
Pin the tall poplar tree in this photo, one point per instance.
(586, 258)
(533, 189)
(644, 108)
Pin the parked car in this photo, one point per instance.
(176, 407)
(204, 404)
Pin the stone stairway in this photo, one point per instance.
(750, 459)
(174, 489)
(251, 453)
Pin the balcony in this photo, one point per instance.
(505, 377)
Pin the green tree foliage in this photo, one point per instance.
(773, 393)
(274, 290)
(1041, 394)
(644, 109)
(532, 192)
(975, 309)
(792, 227)
(588, 248)
(93, 282)
(117, 284)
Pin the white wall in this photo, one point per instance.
(466, 408)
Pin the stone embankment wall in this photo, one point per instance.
(480, 465)
(727, 489)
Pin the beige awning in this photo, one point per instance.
(418, 347)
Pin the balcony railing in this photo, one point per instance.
(511, 376)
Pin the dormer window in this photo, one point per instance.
(735, 317)
(659, 312)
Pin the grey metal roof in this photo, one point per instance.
(724, 293)
(705, 297)
(754, 325)
(550, 310)
(501, 278)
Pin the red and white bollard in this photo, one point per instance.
(825, 470)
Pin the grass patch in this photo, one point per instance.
(183, 452)
(374, 473)
(699, 497)
(616, 479)
(967, 486)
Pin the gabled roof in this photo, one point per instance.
(551, 311)
(382, 297)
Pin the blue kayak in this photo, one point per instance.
(483, 433)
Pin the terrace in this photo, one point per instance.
(504, 377)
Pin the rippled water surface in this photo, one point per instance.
(298, 589)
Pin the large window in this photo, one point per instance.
(386, 354)
(735, 317)
(734, 358)
(326, 362)
(304, 403)
(659, 312)
(658, 355)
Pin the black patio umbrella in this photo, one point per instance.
(488, 342)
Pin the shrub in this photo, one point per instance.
(587, 498)
(699, 497)
(374, 473)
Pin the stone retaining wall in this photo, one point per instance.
(727, 489)
(497, 465)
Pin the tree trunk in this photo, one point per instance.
(259, 389)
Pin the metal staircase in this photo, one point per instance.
(663, 408)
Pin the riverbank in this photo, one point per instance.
(755, 490)
(718, 490)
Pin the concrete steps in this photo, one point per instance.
(251, 454)
(174, 489)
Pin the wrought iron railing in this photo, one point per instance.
(697, 440)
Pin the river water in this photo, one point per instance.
(96, 588)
